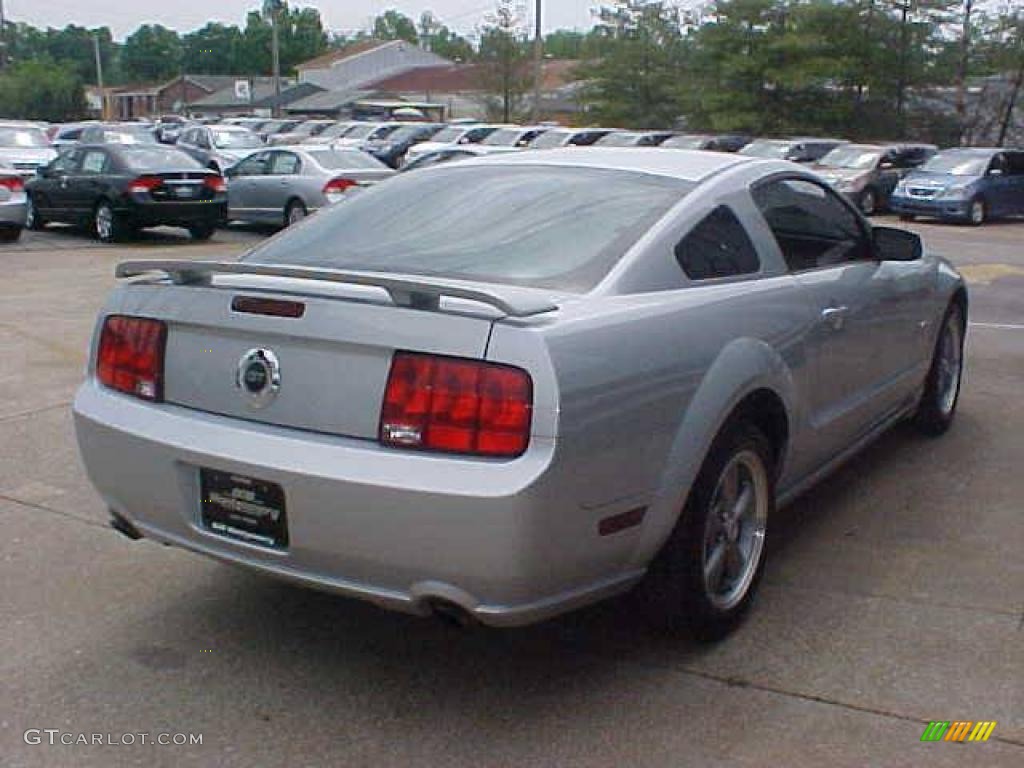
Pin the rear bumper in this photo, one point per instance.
(943, 209)
(176, 214)
(12, 212)
(397, 529)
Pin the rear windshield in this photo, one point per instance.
(539, 226)
(685, 142)
(158, 159)
(332, 159)
(620, 139)
(23, 137)
(240, 139)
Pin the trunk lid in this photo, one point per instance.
(333, 361)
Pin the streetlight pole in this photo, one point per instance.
(3, 37)
(538, 54)
(275, 8)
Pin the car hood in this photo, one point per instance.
(841, 174)
(926, 180)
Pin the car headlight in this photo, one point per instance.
(957, 191)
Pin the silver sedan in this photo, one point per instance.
(282, 186)
(12, 204)
(493, 389)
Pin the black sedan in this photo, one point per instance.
(119, 189)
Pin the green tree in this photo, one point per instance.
(212, 50)
(504, 54)
(41, 89)
(439, 39)
(393, 25)
(636, 83)
(152, 53)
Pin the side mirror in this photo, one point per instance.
(887, 165)
(892, 244)
(995, 172)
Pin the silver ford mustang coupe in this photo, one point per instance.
(504, 388)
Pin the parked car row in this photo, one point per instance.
(296, 160)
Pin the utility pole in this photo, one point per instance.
(275, 8)
(538, 55)
(99, 75)
(3, 37)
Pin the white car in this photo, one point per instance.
(452, 136)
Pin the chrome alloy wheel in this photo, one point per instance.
(950, 362)
(734, 530)
(977, 212)
(104, 223)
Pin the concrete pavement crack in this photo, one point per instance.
(737, 682)
(34, 411)
(51, 510)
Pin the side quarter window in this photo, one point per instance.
(812, 227)
(717, 247)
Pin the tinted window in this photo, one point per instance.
(717, 247)
(94, 161)
(811, 225)
(254, 165)
(525, 225)
(66, 162)
(1015, 163)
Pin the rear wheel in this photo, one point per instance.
(33, 219)
(294, 212)
(710, 569)
(108, 228)
(942, 387)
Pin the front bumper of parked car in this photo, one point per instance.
(404, 530)
(939, 207)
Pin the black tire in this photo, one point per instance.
(868, 201)
(33, 220)
(10, 234)
(937, 409)
(977, 212)
(112, 233)
(202, 231)
(678, 581)
(294, 212)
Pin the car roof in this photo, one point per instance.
(691, 165)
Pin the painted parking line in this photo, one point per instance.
(998, 326)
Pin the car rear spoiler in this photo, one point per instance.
(406, 291)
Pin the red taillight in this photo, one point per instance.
(335, 188)
(461, 406)
(131, 356)
(13, 183)
(216, 183)
(144, 184)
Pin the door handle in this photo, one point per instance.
(834, 317)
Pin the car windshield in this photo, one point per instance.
(541, 226)
(450, 134)
(957, 163)
(776, 149)
(158, 159)
(551, 139)
(336, 131)
(333, 159)
(362, 131)
(858, 158)
(22, 137)
(236, 140)
(128, 135)
(408, 132)
(503, 137)
(685, 142)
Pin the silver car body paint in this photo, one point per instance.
(632, 381)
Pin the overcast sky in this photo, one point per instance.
(124, 16)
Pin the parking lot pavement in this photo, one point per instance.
(894, 595)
